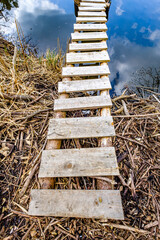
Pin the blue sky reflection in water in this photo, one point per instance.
(133, 30)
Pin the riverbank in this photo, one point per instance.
(28, 87)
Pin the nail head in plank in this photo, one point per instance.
(89, 36)
(100, 204)
(85, 71)
(79, 162)
(90, 27)
(91, 19)
(88, 57)
(84, 85)
(84, 127)
(92, 102)
(88, 46)
(91, 14)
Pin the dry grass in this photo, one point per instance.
(26, 103)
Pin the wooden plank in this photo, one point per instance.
(94, 1)
(100, 204)
(90, 27)
(91, 14)
(87, 57)
(88, 4)
(84, 85)
(91, 19)
(84, 127)
(88, 46)
(91, 102)
(85, 71)
(79, 162)
(94, 9)
(89, 36)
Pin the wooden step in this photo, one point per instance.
(89, 4)
(91, 19)
(90, 27)
(85, 71)
(78, 162)
(88, 46)
(91, 14)
(99, 204)
(94, 1)
(84, 85)
(84, 127)
(79, 103)
(91, 9)
(87, 57)
(89, 36)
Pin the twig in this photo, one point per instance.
(65, 232)
(132, 140)
(16, 97)
(127, 228)
(125, 108)
(28, 231)
(29, 179)
(14, 67)
(33, 114)
(123, 97)
(151, 224)
(141, 115)
(156, 98)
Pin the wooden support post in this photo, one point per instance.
(107, 141)
(48, 183)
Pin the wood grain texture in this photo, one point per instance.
(84, 127)
(90, 4)
(87, 57)
(79, 162)
(84, 85)
(89, 36)
(87, 46)
(85, 71)
(76, 203)
(90, 27)
(80, 103)
(91, 19)
(88, 9)
(91, 14)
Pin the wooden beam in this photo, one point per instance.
(76, 203)
(84, 127)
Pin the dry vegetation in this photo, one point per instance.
(28, 86)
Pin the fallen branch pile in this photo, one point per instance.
(26, 103)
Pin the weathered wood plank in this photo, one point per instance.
(79, 162)
(89, 36)
(90, 27)
(91, 19)
(91, 14)
(85, 71)
(91, 102)
(84, 127)
(88, 4)
(100, 204)
(84, 85)
(88, 46)
(88, 57)
(88, 9)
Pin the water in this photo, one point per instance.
(133, 30)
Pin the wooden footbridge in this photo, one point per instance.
(87, 59)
